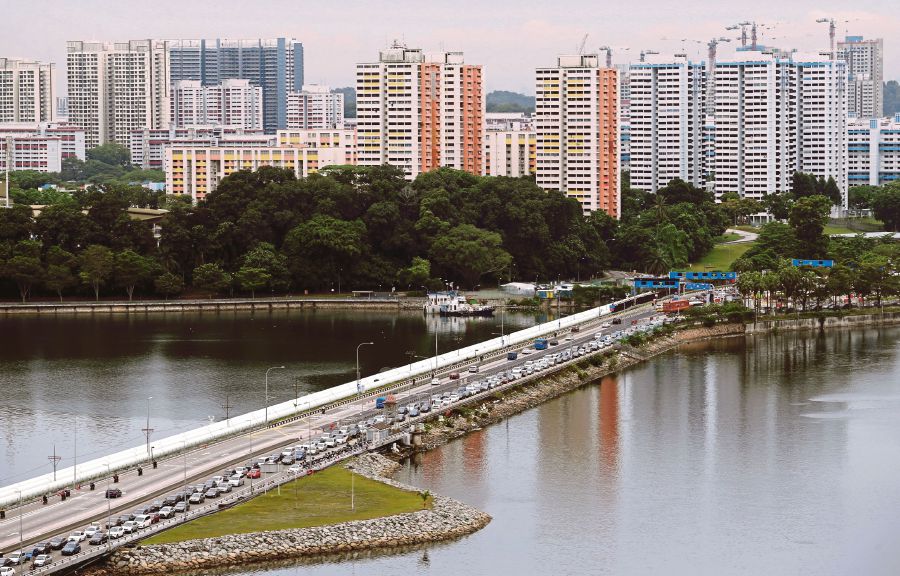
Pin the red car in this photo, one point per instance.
(254, 473)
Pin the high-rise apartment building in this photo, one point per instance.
(273, 64)
(315, 107)
(148, 146)
(233, 103)
(420, 111)
(666, 116)
(40, 146)
(865, 75)
(510, 145)
(873, 146)
(26, 91)
(114, 88)
(624, 118)
(577, 123)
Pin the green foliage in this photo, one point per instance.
(211, 278)
(505, 101)
(468, 253)
(252, 279)
(24, 266)
(862, 196)
(96, 263)
(886, 206)
(168, 284)
(808, 217)
(416, 274)
(130, 269)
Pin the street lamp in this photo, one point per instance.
(267, 389)
(148, 429)
(359, 389)
(352, 489)
(21, 511)
(108, 506)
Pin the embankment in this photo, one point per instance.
(212, 306)
(445, 519)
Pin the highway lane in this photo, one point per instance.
(39, 522)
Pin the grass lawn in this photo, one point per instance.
(746, 228)
(728, 237)
(721, 257)
(837, 229)
(317, 500)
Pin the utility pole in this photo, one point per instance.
(296, 390)
(54, 460)
(75, 453)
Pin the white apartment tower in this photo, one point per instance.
(420, 111)
(233, 103)
(26, 91)
(114, 88)
(577, 124)
(865, 75)
(667, 101)
(315, 107)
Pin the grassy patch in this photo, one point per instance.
(837, 229)
(728, 237)
(721, 257)
(746, 228)
(317, 500)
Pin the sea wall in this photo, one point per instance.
(446, 519)
(824, 323)
(211, 306)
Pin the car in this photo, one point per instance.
(15, 558)
(99, 537)
(7, 570)
(295, 469)
(473, 369)
(217, 480)
(116, 532)
(123, 519)
(41, 548)
(42, 560)
(143, 521)
(182, 507)
(157, 504)
(236, 480)
(170, 501)
(527, 351)
(57, 543)
(212, 493)
(435, 382)
(426, 407)
(413, 412)
(166, 512)
(77, 536)
(71, 548)
(454, 375)
(113, 493)
(130, 526)
(254, 473)
(92, 529)
(224, 488)
(242, 470)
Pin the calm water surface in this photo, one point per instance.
(775, 455)
(81, 383)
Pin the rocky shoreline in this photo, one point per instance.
(446, 519)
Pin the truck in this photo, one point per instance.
(379, 402)
(540, 344)
(511, 355)
(675, 306)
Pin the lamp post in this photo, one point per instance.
(267, 389)
(21, 511)
(359, 390)
(108, 506)
(147, 430)
(412, 356)
(352, 489)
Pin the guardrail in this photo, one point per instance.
(292, 410)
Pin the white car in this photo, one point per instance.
(236, 480)
(130, 526)
(295, 469)
(77, 536)
(116, 532)
(527, 351)
(7, 571)
(142, 521)
(42, 560)
(91, 530)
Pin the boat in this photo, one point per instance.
(453, 303)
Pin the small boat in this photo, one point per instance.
(454, 304)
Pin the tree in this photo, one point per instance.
(25, 268)
(96, 264)
(252, 279)
(803, 185)
(130, 269)
(112, 154)
(59, 274)
(832, 192)
(264, 257)
(886, 206)
(168, 284)
(321, 247)
(418, 272)
(468, 253)
(211, 278)
(808, 218)
(15, 224)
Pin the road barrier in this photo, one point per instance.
(293, 409)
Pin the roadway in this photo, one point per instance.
(42, 522)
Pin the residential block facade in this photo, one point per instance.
(873, 151)
(148, 146)
(865, 75)
(26, 91)
(315, 107)
(420, 111)
(233, 103)
(577, 125)
(117, 87)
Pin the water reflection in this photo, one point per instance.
(775, 455)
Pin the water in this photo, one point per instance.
(775, 455)
(81, 383)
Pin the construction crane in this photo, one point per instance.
(646, 52)
(608, 55)
(581, 46)
(711, 73)
(742, 26)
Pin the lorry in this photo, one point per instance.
(379, 402)
(540, 344)
(675, 306)
(511, 355)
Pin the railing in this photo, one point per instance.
(292, 410)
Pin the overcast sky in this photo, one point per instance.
(509, 37)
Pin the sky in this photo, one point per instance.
(508, 37)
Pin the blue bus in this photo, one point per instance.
(540, 344)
